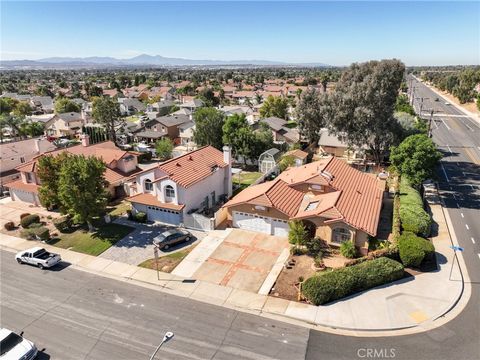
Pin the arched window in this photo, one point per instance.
(341, 235)
(169, 191)
(148, 186)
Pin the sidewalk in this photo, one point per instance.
(407, 303)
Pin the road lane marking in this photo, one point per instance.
(444, 123)
(466, 225)
(478, 255)
(473, 240)
(450, 150)
(462, 215)
(458, 206)
(445, 173)
(469, 128)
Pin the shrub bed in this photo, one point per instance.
(336, 284)
(347, 249)
(413, 249)
(23, 215)
(29, 220)
(412, 214)
(63, 224)
(396, 224)
(141, 217)
(36, 233)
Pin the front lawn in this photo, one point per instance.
(168, 262)
(92, 243)
(119, 209)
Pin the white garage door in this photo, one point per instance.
(279, 227)
(251, 222)
(164, 215)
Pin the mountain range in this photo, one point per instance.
(140, 60)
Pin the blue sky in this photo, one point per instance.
(336, 33)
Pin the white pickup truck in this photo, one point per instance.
(39, 257)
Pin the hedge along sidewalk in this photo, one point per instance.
(399, 305)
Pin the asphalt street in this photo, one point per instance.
(72, 314)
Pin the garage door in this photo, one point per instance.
(251, 222)
(164, 215)
(279, 227)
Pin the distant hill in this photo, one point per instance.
(140, 60)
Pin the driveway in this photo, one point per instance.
(236, 258)
(137, 246)
(11, 210)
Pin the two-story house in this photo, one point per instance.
(335, 202)
(177, 187)
(120, 166)
(65, 124)
(164, 126)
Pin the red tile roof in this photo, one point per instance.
(149, 199)
(194, 166)
(20, 185)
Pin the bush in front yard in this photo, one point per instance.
(336, 284)
(29, 220)
(348, 250)
(412, 214)
(41, 233)
(63, 224)
(297, 235)
(23, 215)
(27, 234)
(413, 249)
(141, 217)
(9, 226)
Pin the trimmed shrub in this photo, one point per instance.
(348, 250)
(141, 217)
(413, 249)
(29, 220)
(314, 246)
(63, 224)
(129, 214)
(27, 234)
(23, 215)
(9, 226)
(336, 284)
(297, 235)
(41, 233)
(412, 214)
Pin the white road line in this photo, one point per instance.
(473, 240)
(462, 215)
(450, 150)
(471, 186)
(469, 128)
(458, 206)
(478, 255)
(445, 173)
(444, 123)
(466, 225)
(454, 196)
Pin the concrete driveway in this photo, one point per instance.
(137, 246)
(236, 258)
(11, 211)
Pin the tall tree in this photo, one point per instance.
(64, 105)
(22, 109)
(208, 127)
(231, 131)
(312, 113)
(362, 105)
(106, 111)
(274, 106)
(81, 188)
(48, 172)
(164, 148)
(415, 158)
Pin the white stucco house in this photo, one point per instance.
(200, 179)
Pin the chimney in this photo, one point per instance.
(37, 145)
(227, 158)
(85, 140)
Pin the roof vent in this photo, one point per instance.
(358, 192)
(327, 175)
(178, 164)
(190, 158)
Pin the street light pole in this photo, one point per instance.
(168, 336)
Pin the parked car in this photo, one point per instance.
(171, 237)
(15, 347)
(39, 257)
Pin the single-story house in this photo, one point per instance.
(281, 133)
(336, 202)
(170, 191)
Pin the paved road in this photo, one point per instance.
(77, 315)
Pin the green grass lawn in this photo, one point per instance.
(291, 124)
(168, 262)
(131, 118)
(119, 209)
(92, 243)
(246, 178)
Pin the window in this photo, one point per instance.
(169, 191)
(148, 186)
(22, 159)
(341, 235)
(29, 177)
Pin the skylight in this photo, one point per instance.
(312, 206)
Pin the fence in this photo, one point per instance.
(198, 222)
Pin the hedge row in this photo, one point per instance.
(413, 249)
(389, 252)
(396, 223)
(412, 215)
(336, 284)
